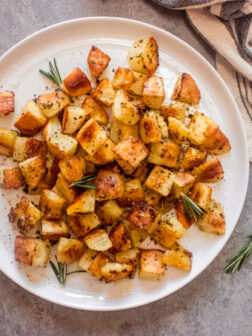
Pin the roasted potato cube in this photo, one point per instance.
(151, 197)
(178, 132)
(143, 56)
(176, 110)
(30, 120)
(120, 131)
(123, 77)
(160, 180)
(114, 271)
(131, 257)
(26, 148)
(178, 257)
(152, 127)
(144, 216)
(181, 214)
(109, 212)
(95, 111)
(167, 233)
(84, 203)
(182, 183)
(70, 194)
(84, 223)
(132, 151)
(214, 221)
(124, 109)
(97, 61)
(54, 229)
(91, 136)
(73, 119)
(77, 83)
(72, 167)
(62, 145)
(137, 86)
(52, 103)
(11, 178)
(137, 235)
(33, 170)
(110, 185)
(7, 104)
(193, 158)
(24, 216)
(32, 252)
(7, 141)
(133, 191)
(142, 171)
(104, 155)
(120, 237)
(87, 259)
(201, 127)
(43, 184)
(97, 263)
(165, 154)
(201, 195)
(52, 128)
(209, 172)
(151, 266)
(153, 92)
(186, 90)
(69, 250)
(51, 204)
(98, 240)
(217, 143)
(104, 92)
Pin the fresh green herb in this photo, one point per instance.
(192, 208)
(61, 271)
(87, 182)
(53, 74)
(235, 263)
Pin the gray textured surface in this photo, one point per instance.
(214, 303)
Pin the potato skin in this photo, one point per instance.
(7, 104)
(209, 172)
(97, 61)
(77, 83)
(143, 215)
(120, 237)
(186, 90)
(217, 143)
(110, 185)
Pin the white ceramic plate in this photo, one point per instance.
(70, 42)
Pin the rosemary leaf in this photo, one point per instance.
(54, 74)
(87, 182)
(192, 208)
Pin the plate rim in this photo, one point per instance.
(246, 167)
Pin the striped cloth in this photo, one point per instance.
(226, 25)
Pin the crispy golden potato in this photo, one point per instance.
(97, 263)
(95, 111)
(24, 216)
(137, 235)
(120, 237)
(143, 56)
(109, 212)
(91, 136)
(209, 172)
(120, 131)
(7, 104)
(32, 252)
(69, 250)
(70, 194)
(30, 120)
(52, 128)
(153, 92)
(87, 259)
(178, 132)
(214, 221)
(123, 77)
(73, 119)
(152, 127)
(25, 148)
(72, 167)
(176, 110)
(110, 185)
(131, 257)
(182, 183)
(136, 87)
(181, 214)
(201, 195)
(193, 158)
(84, 203)
(61, 145)
(114, 271)
(133, 191)
(54, 229)
(151, 266)
(104, 155)
(125, 109)
(217, 143)
(142, 171)
(164, 153)
(33, 170)
(186, 90)
(177, 256)
(51, 204)
(82, 224)
(98, 240)
(104, 92)
(7, 141)
(11, 178)
(97, 61)
(151, 197)
(77, 83)
(160, 180)
(52, 103)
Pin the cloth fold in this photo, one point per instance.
(226, 25)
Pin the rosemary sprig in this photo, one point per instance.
(53, 74)
(87, 182)
(192, 208)
(235, 263)
(61, 271)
